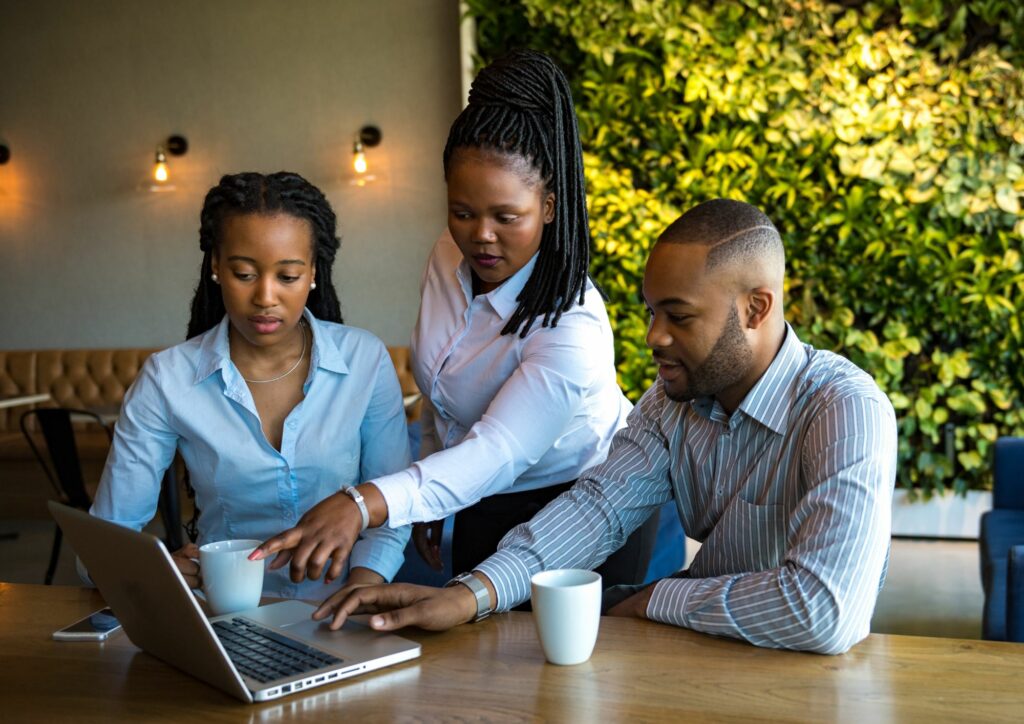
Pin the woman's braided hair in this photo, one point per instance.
(256, 193)
(520, 105)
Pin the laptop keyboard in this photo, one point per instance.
(266, 655)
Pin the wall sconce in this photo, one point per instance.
(5, 154)
(368, 137)
(176, 146)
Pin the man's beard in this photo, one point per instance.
(724, 366)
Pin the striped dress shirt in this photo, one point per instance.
(790, 496)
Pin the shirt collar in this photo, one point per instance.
(215, 351)
(771, 398)
(326, 353)
(505, 298)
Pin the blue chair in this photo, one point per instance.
(1002, 546)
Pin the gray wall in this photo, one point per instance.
(89, 259)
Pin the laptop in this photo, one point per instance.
(255, 655)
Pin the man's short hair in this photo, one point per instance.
(736, 232)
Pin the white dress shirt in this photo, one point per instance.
(505, 412)
(791, 496)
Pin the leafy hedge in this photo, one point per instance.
(886, 141)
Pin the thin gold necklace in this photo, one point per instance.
(302, 356)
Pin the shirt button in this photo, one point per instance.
(291, 424)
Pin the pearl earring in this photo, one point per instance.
(216, 279)
(312, 285)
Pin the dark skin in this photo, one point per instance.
(264, 266)
(497, 209)
(690, 309)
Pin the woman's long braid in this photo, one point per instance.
(255, 193)
(521, 105)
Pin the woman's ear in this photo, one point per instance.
(215, 267)
(549, 208)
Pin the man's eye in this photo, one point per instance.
(678, 318)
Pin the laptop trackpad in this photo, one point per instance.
(354, 639)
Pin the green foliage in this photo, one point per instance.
(886, 141)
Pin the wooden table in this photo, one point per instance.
(18, 400)
(494, 671)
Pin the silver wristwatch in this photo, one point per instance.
(358, 498)
(474, 584)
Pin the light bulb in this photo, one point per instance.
(359, 158)
(160, 174)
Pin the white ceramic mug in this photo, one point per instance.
(567, 611)
(231, 581)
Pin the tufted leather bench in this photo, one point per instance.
(82, 378)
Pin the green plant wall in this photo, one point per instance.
(886, 141)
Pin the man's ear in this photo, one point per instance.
(760, 303)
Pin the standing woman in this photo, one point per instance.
(512, 349)
(273, 404)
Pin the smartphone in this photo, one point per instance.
(97, 626)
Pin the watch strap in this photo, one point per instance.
(484, 608)
(358, 498)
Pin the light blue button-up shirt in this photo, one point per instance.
(349, 428)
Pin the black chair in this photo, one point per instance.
(64, 471)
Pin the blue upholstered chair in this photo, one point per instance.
(1002, 546)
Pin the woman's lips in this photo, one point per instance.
(265, 325)
(486, 260)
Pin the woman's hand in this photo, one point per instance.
(327, 531)
(186, 559)
(427, 537)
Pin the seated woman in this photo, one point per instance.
(272, 403)
(512, 349)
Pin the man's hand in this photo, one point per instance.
(359, 577)
(427, 537)
(398, 605)
(185, 559)
(635, 606)
(327, 531)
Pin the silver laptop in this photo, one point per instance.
(255, 655)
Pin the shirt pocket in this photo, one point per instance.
(747, 538)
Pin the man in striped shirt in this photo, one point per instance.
(780, 458)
